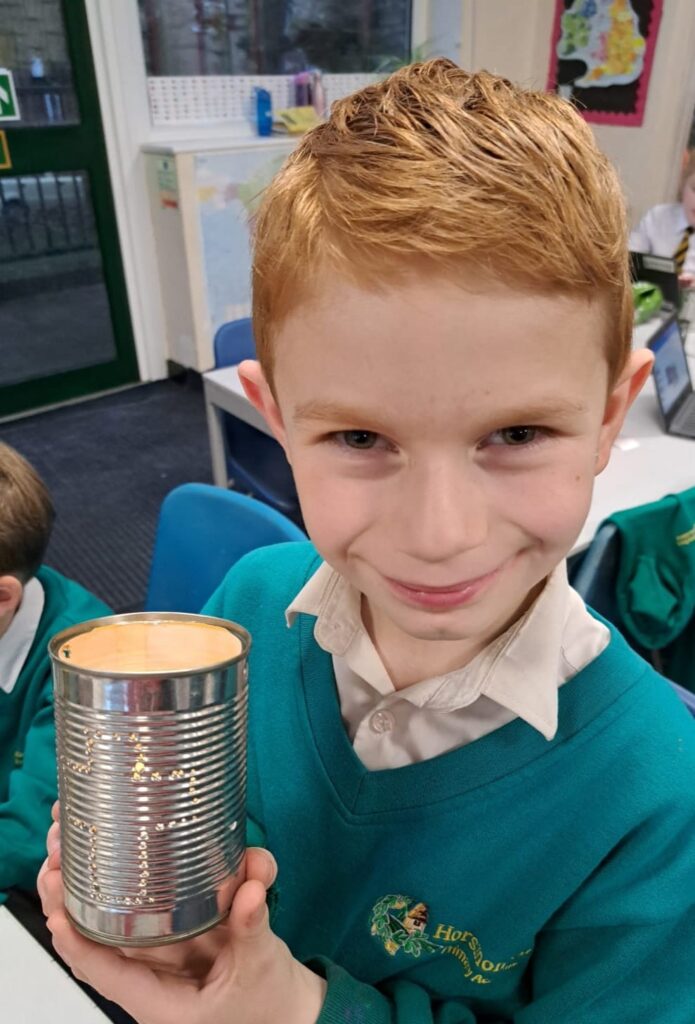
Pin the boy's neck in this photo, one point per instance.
(409, 659)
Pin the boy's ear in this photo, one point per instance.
(11, 591)
(629, 385)
(261, 397)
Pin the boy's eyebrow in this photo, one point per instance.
(332, 412)
(541, 408)
(522, 414)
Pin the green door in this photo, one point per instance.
(65, 327)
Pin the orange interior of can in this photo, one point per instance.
(155, 647)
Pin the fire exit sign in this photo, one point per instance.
(9, 108)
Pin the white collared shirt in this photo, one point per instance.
(517, 675)
(660, 232)
(16, 642)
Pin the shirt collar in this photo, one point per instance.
(16, 642)
(520, 670)
(682, 221)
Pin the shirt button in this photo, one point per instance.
(382, 721)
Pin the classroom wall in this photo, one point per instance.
(512, 37)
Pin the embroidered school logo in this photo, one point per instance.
(400, 924)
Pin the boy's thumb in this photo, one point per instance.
(248, 919)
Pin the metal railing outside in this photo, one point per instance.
(45, 214)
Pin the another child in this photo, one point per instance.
(35, 603)
(667, 229)
(479, 798)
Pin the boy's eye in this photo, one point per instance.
(514, 437)
(363, 440)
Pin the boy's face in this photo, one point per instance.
(444, 443)
(11, 590)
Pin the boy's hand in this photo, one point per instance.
(192, 957)
(239, 971)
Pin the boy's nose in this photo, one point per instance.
(445, 512)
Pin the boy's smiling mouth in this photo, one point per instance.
(443, 598)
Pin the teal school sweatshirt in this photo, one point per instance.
(512, 879)
(28, 778)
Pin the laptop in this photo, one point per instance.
(659, 270)
(674, 387)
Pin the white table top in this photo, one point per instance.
(34, 988)
(646, 463)
(224, 388)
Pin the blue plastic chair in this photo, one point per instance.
(202, 531)
(594, 577)
(256, 463)
(233, 342)
(595, 573)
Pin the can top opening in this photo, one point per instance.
(154, 647)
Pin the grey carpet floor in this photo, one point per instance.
(109, 463)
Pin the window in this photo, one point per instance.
(273, 37)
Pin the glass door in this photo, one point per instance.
(65, 327)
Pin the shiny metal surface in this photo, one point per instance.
(152, 779)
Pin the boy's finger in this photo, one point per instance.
(146, 994)
(50, 886)
(261, 865)
(39, 879)
(248, 918)
(55, 810)
(53, 838)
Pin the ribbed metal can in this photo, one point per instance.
(152, 785)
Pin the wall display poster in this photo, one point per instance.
(228, 189)
(601, 56)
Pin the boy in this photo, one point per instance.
(479, 799)
(35, 603)
(667, 229)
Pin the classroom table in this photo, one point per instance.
(645, 464)
(35, 988)
(224, 394)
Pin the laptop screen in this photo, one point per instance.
(671, 374)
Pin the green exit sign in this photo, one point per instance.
(9, 108)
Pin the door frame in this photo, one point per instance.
(78, 147)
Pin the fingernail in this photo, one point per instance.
(272, 867)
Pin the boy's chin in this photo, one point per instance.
(471, 623)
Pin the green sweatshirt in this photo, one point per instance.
(512, 879)
(28, 783)
(655, 581)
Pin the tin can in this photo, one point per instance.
(152, 782)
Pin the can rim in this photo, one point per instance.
(59, 639)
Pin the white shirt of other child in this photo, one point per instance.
(660, 232)
(517, 675)
(16, 642)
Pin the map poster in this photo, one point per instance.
(229, 185)
(601, 57)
